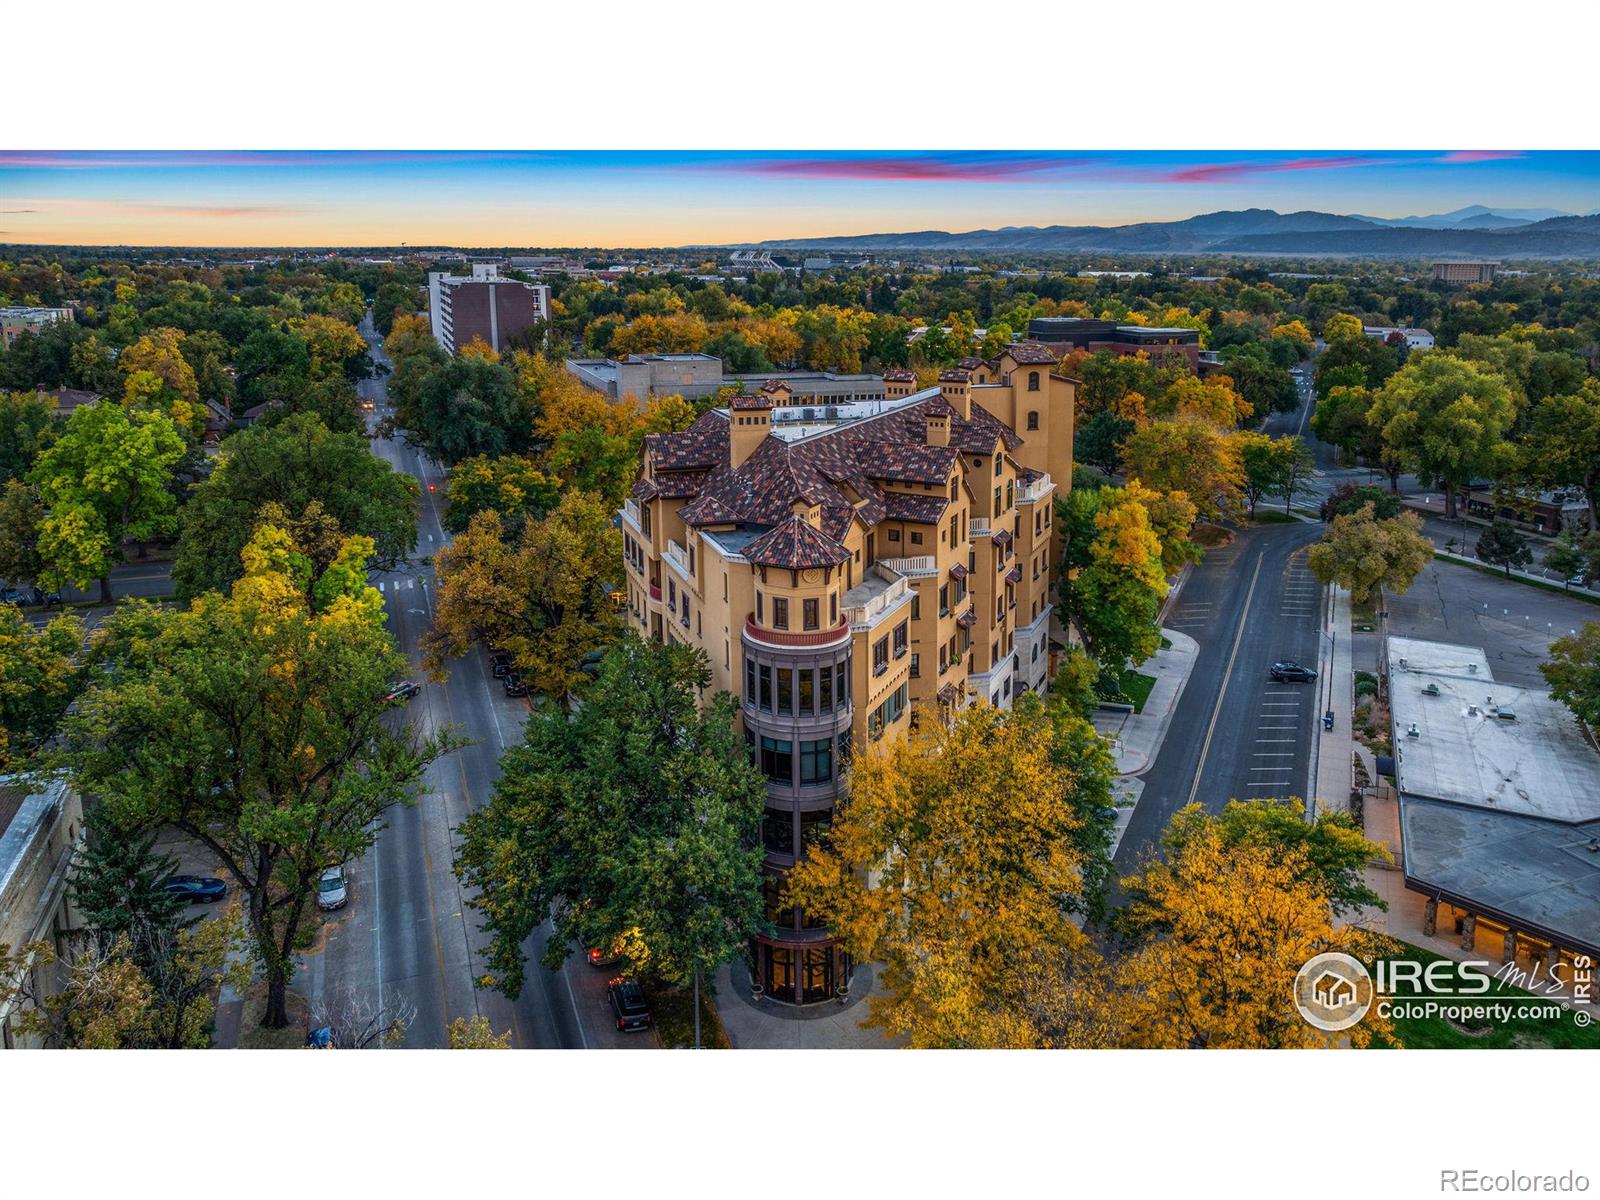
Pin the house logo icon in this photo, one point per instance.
(1333, 991)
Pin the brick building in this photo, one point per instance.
(483, 305)
(1083, 333)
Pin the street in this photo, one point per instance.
(408, 937)
(1235, 733)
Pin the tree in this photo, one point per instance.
(511, 485)
(1340, 419)
(468, 406)
(307, 470)
(21, 515)
(359, 1021)
(38, 680)
(25, 429)
(1114, 581)
(1224, 928)
(1191, 455)
(1503, 545)
(1562, 445)
(542, 597)
(1571, 555)
(391, 300)
(1446, 417)
(106, 479)
(1078, 749)
(1272, 466)
(968, 832)
(1333, 854)
(1367, 556)
(116, 886)
(476, 1034)
(255, 723)
(630, 821)
(103, 1001)
(1350, 497)
(1098, 440)
(1573, 672)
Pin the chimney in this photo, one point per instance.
(750, 418)
(953, 386)
(938, 426)
(810, 513)
(898, 382)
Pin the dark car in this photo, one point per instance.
(500, 664)
(627, 1002)
(21, 595)
(1292, 672)
(403, 691)
(514, 685)
(196, 889)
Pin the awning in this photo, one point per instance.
(1001, 537)
(948, 694)
(1014, 575)
(967, 619)
(957, 571)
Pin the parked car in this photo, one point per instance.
(403, 691)
(27, 594)
(514, 685)
(603, 958)
(627, 1002)
(333, 890)
(196, 889)
(500, 664)
(1290, 671)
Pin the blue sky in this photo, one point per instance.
(648, 198)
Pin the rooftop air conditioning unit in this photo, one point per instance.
(1431, 690)
(1412, 731)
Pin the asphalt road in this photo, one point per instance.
(1235, 734)
(408, 938)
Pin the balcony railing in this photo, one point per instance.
(869, 613)
(923, 566)
(979, 528)
(655, 591)
(630, 513)
(678, 559)
(791, 637)
(1035, 491)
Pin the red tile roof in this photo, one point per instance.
(1032, 354)
(955, 375)
(795, 544)
(749, 403)
(899, 375)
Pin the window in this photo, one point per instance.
(916, 538)
(841, 686)
(777, 760)
(999, 457)
(833, 608)
(644, 519)
(944, 599)
(691, 558)
(901, 634)
(1033, 386)
(814, 827)
(816, 761)
(777, 835)
(916, 605)
(771, 895)
(760, 615)
(780, 613)
(780, 971)
(808, 693)
(1033, 420)
(750, 680)
(808, 613)
(672, 594)
(825, 688)
(766, 688)
(1010, 493)
(894, 535)
(785, 691)
(997, 509)
(888, 712)
(843, 746)
(916, 672)
(955, 488)
(880, 656)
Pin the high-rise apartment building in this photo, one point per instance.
(483, 305)
(1465, 272)
(849, 572)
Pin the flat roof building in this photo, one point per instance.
(1415, 339)
(1085, 333)
(483, 306)
(1462, 271)
(695, 375)
(1499, 793)
(17, 319)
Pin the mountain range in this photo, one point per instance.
(1476, 230)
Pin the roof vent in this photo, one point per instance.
(1412, 731)
(1472, 710)
(1505, 714)
(1402, 662)
(1472, 668)
(1431, 690)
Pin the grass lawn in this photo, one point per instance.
(1136, 688)
(1273, 516)
(673, 1010)
(1210, 536)
(1436, 1033)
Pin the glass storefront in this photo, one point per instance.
(800, 974)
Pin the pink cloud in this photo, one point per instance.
(1472, 156)
(921, 167)
(1222, 172)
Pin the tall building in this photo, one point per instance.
(1465, 272)
(483, 305)
(849, 572)
(17, 319)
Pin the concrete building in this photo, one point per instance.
(1499, 793)
(1084, 333)
(17, 319)
(1415, 339)
(849, 572)
(1465, 272)
(483, 305)
(694, 375)
(39, 831)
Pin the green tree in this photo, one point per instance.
(38, 680)
(1114, 579)
(1367, 556)
(306, 469)
(1503, 545)
(21, 515)
(25, 429)
(1350, 497)
(256, 724)
(390, 300)
(468, 406)
(1098, 441)
(1448, 418)
(116, 886)
(511, 485)
(1573, 672)
(630, 822)
(1572, 555)
(105, 480)
(1562, 445)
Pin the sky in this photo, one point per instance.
(669, 198)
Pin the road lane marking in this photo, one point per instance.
(1227, 674)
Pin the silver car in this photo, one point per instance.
(333, 891)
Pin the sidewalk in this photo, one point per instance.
(1331, 776)
(1136, 737)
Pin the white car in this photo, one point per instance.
(333, 891)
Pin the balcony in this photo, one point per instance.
(1033, 492)
(678, 559)
(655, 592)
(979, 528)
(882, 592)
(923, 566)
(789, 638)
(630, 514)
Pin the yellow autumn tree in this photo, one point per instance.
(1225, 929)
(964, 833)
(1212, 399)
(478, 348)
(1188, 454)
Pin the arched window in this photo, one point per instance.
(1033, 381)
(1033, 420)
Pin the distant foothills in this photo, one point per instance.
(1477, 230)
